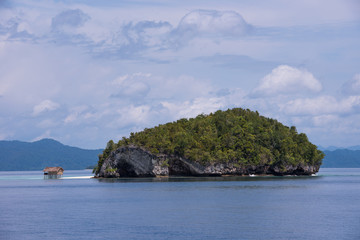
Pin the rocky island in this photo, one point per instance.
(233, 142)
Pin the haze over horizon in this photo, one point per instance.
(85, 72)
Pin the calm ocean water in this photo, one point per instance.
(326, 206)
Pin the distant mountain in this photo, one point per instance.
(329, 148)
(354, 147)
(21, 156)
(341, 158)
(333, 148)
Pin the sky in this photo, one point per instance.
(84, 72)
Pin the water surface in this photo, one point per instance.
(325, 206)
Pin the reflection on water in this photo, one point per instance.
(205, 179)
(39, 175)
(52, 176)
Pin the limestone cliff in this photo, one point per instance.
(134, 161)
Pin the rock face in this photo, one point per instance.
(133, 161)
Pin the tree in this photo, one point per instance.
(236, 135)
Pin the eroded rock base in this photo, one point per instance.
(133, 161)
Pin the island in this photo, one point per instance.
(233, 142)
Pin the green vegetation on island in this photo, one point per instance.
(238, 136)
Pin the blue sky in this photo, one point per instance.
(84, 72)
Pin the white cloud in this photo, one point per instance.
(47, 123)
(120, 80)
(123, 79)
(221, 23)
(150, 87)
(287, 80)
(76, 113)
(352, 87)
(209, 23)
(136, 36)
(325, 120)
(46, 134)
(322, 105)
(192, 108)
(71, 118)
(132, 115)
(82, 53)
(179, 88)
(146, 33)
(69, 19)
(305, 12)
(46, 105)
(131, 86)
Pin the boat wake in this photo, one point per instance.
(81, 177)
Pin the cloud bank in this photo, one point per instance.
(211, 23)
(128, 39)
(84, 73)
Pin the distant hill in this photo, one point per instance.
(22, 156)
(333, 148)
(341, 158)
(354, 147)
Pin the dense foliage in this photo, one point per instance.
(237, 135)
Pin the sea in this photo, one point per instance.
(325, 206)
